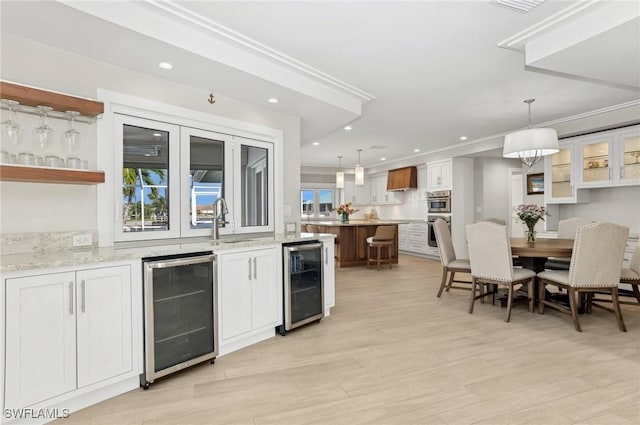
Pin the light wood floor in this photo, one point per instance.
(393, 353)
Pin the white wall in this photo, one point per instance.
(492, 181)
(34, 207)
(619, 205)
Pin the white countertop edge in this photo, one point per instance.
(70, 257)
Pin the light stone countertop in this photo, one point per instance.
(356, 222)
(71, 257)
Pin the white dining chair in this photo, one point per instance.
(566, 230)
(490, 258)
(596, 262)
(450, 264)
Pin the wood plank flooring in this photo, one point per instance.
(393, 353)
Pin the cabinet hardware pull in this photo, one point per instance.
(71, 298)
(610, 173)
(622, 172)
(83, 289)
(249, 268)
(255, 267)
(326, 255)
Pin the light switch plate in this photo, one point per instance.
(82, 240)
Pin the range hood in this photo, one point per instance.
(402, 179)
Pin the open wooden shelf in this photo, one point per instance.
(29, 96)
(19, 173)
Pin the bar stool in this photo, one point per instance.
(384, 238)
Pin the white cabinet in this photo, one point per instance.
(412, 237)
(439, 175)
(610, 159)
(329, 274)
(357, 194)
(560, 177)
(248, 291)
(65, 331)
(379, 193)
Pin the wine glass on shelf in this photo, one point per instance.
(10, 131)
(43, 136)
(72, 141)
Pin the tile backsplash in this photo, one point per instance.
(15, 243)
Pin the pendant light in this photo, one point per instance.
(359, 171)
(532, 144)
(340, 174)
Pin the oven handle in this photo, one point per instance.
(180, 262)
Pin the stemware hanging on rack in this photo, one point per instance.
(72, 141)
(10, 129)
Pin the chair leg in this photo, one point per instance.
(443, 281)
(532, 296)
(509, 302)
(616, 309)
(541, 296)
(389, 257)
(378, 255)
(473, 294)
(574, 312)
(451, 276)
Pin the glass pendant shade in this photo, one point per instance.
(340, 180)
(359, 175)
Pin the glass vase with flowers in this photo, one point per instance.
(530, 214)
(344, 211)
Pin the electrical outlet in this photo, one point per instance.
(82, 240)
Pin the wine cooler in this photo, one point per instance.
(179, 313)
(303, 287)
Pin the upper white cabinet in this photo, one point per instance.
(439, 175)
(248, 287)
(561, 175)
(379, 193)
(357, 194)
(610, 159)
(66, 331)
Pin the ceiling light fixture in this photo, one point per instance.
(273, 100)
(463, 137)
(315, 143)
(348, 127)
(340, 174)
(383, 159)
(531, 144)
(165, 65)
(359, 171)
(416, 150)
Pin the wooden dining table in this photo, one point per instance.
(534, 256)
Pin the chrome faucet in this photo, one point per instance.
(219, 215)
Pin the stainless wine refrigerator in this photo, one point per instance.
(303, 286)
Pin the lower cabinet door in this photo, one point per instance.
(235, 294)
(40, 338)
(104, 323)
(263, 289)
(329, 275)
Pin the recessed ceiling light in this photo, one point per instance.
(165, 65)
(348, 127)
(315, 143)
(157, 134)
(416, 150)
(463, 137)
(383, 159)
(273, 100)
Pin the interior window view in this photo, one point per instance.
(320, 212)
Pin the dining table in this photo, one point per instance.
(534, 255)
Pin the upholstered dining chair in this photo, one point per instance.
(566, 230)
(494, 220)
(596, 262)
(383, 239)
(630, 276)
(490, 257)
(450, 264)
(313, 228)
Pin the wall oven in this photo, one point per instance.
(431, 221)
(180, 326)
(303, 284)
(439, 202)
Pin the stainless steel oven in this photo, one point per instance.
(439, 202)
(180, 326)
(431, 235)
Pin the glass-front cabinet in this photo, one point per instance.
(596, 162)
(629, 152)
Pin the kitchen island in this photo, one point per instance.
(351, 239)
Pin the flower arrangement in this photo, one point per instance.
(530, 214)
(344, 211)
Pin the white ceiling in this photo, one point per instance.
(405, 75)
